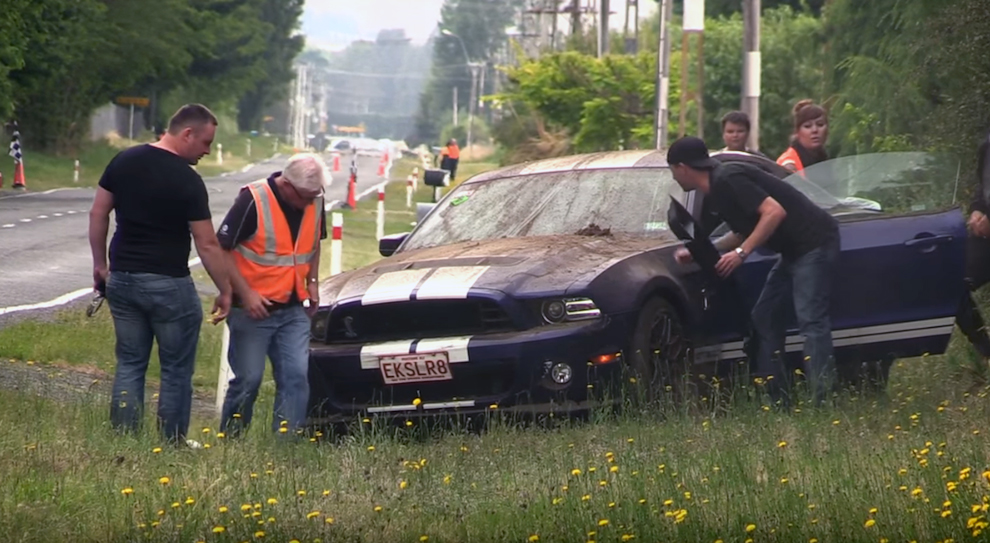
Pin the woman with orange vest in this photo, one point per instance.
(272, 237)
(809, 137)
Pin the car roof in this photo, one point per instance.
(631, 159)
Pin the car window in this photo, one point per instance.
(884, 182)
(593, 202)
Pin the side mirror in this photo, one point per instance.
(389, 244)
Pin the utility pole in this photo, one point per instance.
(455, 105)
(663, 73)
(693, 23)
(474, 100)
(603, 28)
(752, 69)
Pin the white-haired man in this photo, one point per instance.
(271, 236)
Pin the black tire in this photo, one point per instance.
(658, 350)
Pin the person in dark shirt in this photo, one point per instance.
(969, 319)
(762, 210)
(158, 201)
(271, 236)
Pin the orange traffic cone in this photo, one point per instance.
(1, 180)
(19, 182)
(352, 193)
(381, 169)
(336, 162)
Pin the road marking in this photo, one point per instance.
(25, 220)
(71, 212)
(42, 216)
(65, 298)
(57, 214)
(9, 225)
(246, 168)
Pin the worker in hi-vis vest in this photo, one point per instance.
(272, 238)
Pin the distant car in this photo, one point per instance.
(539, 286)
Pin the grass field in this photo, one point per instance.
(910, 465)
(45, 171)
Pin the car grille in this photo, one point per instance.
(470, 382)
(417, 319)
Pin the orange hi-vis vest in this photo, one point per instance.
(452, 151)
(790, 156)
(268, 261)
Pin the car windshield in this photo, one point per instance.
(888, 182)
(593, 202)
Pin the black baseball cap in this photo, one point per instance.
(691, 151)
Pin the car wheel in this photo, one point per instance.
(659, 349)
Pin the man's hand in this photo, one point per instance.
(221, 308)
(256, 305)
(728, 264)
(100, 274)
(683, 256)
(979, 224)
(314, 299)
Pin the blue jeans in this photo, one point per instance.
(283, 336)
(805, 281)
(147, 307)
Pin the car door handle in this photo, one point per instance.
(927, 242)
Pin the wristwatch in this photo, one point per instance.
(741, 252)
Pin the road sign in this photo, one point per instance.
(133, 101)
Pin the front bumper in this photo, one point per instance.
(509, 372)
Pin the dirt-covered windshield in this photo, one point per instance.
(593, 203)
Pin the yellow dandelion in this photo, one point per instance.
(206, 430)
(164, 480)
(301, 493)
(326, 492)
(446, 479)
(603, 522)
(781, 444)
(557, 501)
(750, 528)
(371, 447)
(221, 435)
(575, 472)
(175, 505)
(534, 537)
(614, 469)
(630, 440)
(259, 534)
(156, 450)
(378, 509)
(627, 537)
(329, 520)
(283, 430)
(190, 501)
(312, 514)
(127, 491)
(403, 484)
(870, 523)
(586, 497)
(417, 401)
(272, 501)
(219, 529)
(254, 475)
(873, 510)
(423, 538)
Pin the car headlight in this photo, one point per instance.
(569, 310)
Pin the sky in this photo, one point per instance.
(334, 24)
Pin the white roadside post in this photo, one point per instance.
(415, 178)
(75, 173)
(249, 149)
(225, 373)
(380, 219)
(409, 191)
(220, 154)
(336, 243)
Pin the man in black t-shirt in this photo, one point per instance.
(764, 210)
(158, 201)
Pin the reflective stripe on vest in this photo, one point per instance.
(269, 258)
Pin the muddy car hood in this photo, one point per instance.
(519, 267)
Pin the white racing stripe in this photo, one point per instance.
(455, 347)
(851, 336)
(393, 286)
(452, 282)
(371, 352)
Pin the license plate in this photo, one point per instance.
(415, 368)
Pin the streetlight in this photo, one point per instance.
(474, 82)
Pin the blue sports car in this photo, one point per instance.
(538, 286)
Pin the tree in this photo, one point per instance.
(282, 17)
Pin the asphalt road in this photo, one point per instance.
(44, 246)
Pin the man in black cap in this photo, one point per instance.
(762, 210)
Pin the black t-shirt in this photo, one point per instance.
(738, 189)
(156, 194)
(241, 222)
